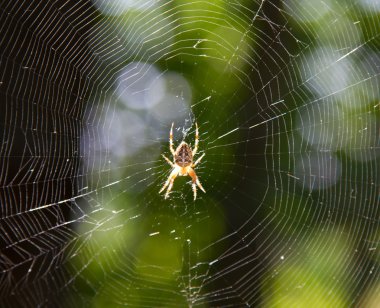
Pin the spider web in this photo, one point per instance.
(286, 97)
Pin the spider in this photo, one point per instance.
(183, 163)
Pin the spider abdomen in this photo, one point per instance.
(183, 156)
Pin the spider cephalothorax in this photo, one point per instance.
(183, 163)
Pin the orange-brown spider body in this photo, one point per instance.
(183, 163)
(184, 155)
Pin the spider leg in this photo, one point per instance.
(195, 182)
(196, 139)
(171, 140)
(169, 182)
(168, 160)
(197, 161)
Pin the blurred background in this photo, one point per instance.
(286, 96)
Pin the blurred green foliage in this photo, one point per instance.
(144, 252)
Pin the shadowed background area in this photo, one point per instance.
(286, 97)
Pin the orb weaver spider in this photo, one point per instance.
(183, 163)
